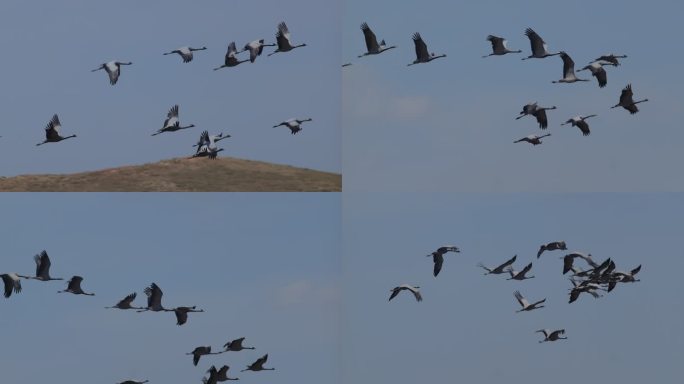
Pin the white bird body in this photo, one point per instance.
(113, 69)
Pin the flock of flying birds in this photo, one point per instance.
(12, 284)
(539, 51)
(597, 277)
(206, 146)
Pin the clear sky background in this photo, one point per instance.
(450, 124)
(50, 48)
(262, 266)
(466, 329)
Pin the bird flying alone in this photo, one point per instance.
(185, 53)
(422, 55)
(113, 69)
(499, 46)
(172, 123)
(532, 139)
(293, 124)
(52, 131)
(438, 257)
(372, 46)
(627, 102)
(579, 122)
(405, 287)
(552, 335)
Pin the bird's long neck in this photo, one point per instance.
(640, 101)
(64, 138)
(187, 126)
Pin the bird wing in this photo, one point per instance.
(126, 301)
(568, 65)
(523, 302)
(181, 317)
(536, 42)
(584, 127)
(635, 270)
(545, 332)
(540, 114)
(507, 263)
(283, 36)
(567, 263)
(574, 294)
(557, 333)
(52, 128)
(75, 283)
(42, 263)
(601, 76)
(417, 295)
(542, 248)
(9, 285)
(438, 259)
(371, 40)
(421, 47)
(395, 292)
(526, 269)
(173, 112)
(497, 42)
(626, 95)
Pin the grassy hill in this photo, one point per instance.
(177, 175)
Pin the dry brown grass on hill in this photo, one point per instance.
(178, 175)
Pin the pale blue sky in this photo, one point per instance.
(450, 124)
(466, 328)
(52, 46)
(262, 266)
